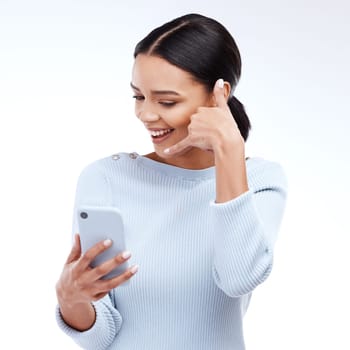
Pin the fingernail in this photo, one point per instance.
(126, 254)
(167, 150)
(107, 242)
(221, 83)
(134, 269)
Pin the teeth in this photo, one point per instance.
(160, 132)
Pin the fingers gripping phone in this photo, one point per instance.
(97, 224)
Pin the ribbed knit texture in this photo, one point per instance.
(198, 260)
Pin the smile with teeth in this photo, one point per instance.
(160, 132)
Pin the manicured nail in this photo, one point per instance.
(167, 150)
(221, 83)
(107, 242)
(134, 269)
(126, 254)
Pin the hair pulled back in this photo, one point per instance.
(204, 48)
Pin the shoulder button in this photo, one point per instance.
(133, 155)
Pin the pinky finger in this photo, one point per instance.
(99, 296)
(107, 285)
(128, 273)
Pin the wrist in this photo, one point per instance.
(80, 316)
(231, 177)
(232, 147)
(64, 299)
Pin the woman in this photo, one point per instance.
(200, 219)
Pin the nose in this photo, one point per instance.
(147, 112)
(147, 116)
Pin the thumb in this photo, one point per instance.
(75, 251)
(219, 94)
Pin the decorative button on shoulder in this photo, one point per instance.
(115, 156)
(133, 155)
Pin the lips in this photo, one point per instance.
(159, 135)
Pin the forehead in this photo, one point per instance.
(155, 73)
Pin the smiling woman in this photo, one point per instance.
(167, 97)
(200, 218)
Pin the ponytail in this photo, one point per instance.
(240, 116)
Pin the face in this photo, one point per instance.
(165, 98)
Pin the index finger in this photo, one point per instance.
(92, 253)
(75, 251)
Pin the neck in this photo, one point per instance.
(194, 159)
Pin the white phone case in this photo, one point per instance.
(97, 224)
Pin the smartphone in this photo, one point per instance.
(97, 224)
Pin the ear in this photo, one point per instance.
(227, 91)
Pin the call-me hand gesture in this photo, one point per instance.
(210, 127)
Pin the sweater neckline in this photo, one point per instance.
(172, 170)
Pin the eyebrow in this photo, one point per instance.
(158, 92)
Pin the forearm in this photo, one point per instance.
(242, 256)
(246, 229)
(79, 316)
(231, 175)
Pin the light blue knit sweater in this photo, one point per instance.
(198, 260)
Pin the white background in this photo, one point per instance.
(65, 101)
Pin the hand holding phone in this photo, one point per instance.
(98, 224)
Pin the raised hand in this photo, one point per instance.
(210, 127)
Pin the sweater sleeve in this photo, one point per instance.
(246, 229)
(101, 335)
(93, 189)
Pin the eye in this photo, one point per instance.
(167, 103)
(138, 97)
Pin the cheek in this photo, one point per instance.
(137, 110)
(179, 117)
